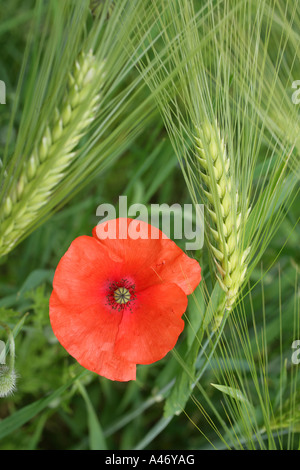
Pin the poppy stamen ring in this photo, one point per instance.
(121, 295)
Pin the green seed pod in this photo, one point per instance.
(21, 185)
(231, 243)
(234, 258)
(213, 149)
(218, 254)
(8, 228)
(227, 281)
(32, 167)
(214, 234)
(218, 169)
(46, 143)
(245, 254)
(236, 276)
(57, 130)
(207, 131)
(66, 114)
(74, 99)
(226, 204)
(230, 223)
(7, 206)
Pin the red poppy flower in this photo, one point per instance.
(118, 297)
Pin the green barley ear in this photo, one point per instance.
(225, 215)
(49, 161)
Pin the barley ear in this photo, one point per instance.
(225, 240)
(53, 154)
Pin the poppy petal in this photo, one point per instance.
(119, 302)
(90, 340)
(82, 272)
(149, 332)
(167, 262)
(79, 317)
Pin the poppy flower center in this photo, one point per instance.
(121, 295)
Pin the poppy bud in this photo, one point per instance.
(7, 381)
(8, 375)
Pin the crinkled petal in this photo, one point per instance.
(148, 333)
(90, 339)
(153, 257)
(85, 272)
(80, 317)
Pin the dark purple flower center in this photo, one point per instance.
(121, 295)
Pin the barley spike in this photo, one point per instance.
(51, 157)
(225, 217)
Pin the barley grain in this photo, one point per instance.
(52, 156)
(225, 239)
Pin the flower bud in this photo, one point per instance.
(8, 375)
(7, 381)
